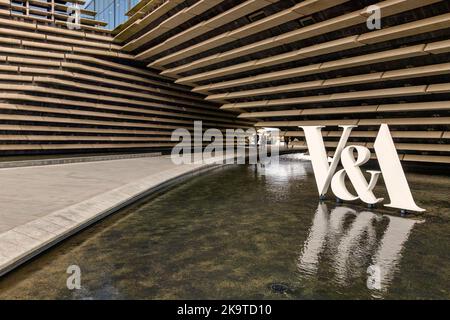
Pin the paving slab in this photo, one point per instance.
(42, 205)
(45, 202)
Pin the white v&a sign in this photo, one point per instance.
(391, 168)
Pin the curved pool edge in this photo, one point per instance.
(26, 241)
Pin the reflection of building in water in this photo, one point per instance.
(329, 232)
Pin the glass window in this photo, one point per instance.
(111, 11)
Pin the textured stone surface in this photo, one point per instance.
(29, 193)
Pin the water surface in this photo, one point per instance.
(254, 233)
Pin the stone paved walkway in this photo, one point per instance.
(42, 205)
(32, 192)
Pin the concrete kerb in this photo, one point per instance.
(46, 162)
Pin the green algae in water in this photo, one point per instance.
(240, 231)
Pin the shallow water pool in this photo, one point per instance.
(248, 232)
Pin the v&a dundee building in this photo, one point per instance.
(108, 81)
(236, 64)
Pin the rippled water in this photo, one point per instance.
(252, 232)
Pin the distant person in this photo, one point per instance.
(286, 141)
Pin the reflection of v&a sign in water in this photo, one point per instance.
(329, 232)
(391, 168)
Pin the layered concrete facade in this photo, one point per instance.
(291, 63)
(76, 90)
(229, 63)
